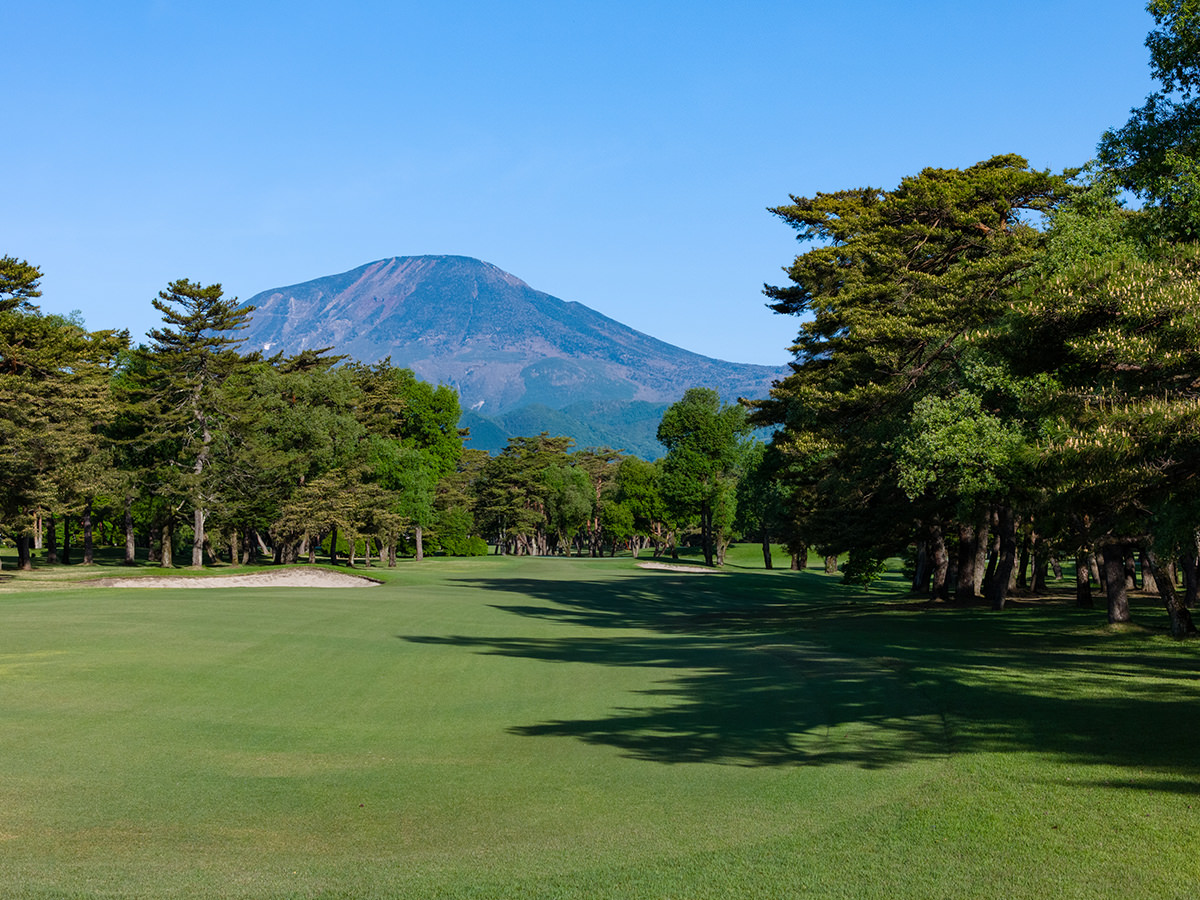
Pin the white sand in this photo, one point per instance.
(695, 570)
(320, 578)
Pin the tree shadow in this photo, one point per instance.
(774, 670)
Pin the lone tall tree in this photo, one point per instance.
(188, 359)
(703, 441)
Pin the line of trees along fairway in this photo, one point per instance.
(188, 441)
(186, 438)
(1001, 366)
(998, 368)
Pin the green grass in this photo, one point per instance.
(548, 728)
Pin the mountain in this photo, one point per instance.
(522, 360)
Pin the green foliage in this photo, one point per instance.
(1122, 339)
(398, 405)
(639, 490)
(761, 500)
(863, 568)
(454, 529)
(513, 492)
(896, 285)
(1092, 223)
(699, 473)
(618, 521)
(569, 498)
(18, 283)
(958, 451)
(1155, 153)
(55, 404)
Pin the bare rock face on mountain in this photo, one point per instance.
(505, 346)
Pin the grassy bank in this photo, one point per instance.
(576, 728)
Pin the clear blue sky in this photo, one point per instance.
(616, 153)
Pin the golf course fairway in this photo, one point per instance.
(571, 728)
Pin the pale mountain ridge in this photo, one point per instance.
(502, 344)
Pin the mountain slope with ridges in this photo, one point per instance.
(500, 342)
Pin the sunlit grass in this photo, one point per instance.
(573, 728)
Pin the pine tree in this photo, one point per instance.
(187, 362)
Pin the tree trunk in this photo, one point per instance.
(333, 539)
(1115, 585)
(66, 547)
(419, 537)
(154, 544)
(831, 564)
(706, 536)
(168, 550)
(921, 570)
(993, 555)
(38, 528)
(1181, 619)
(1149, 573)
(52, 542)
(964, 588)
(1006, 558)
(941, 564)
(766, 548)
(1130, 571)
(198, 539)
(24, 558)
(130, 542)
(1023, 565)
(1191, 583)
(1040, 563)
(89, 547)
(982, 540)
(1094, 568)
(795, 564)
(1083, 581)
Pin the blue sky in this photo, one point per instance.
(619, 154)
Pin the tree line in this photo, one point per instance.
(999, 367)
(186, 443)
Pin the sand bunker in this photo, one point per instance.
(320, 578)
(695, 570)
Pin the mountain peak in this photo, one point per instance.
(501, 343)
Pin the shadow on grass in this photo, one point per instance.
(768, 670)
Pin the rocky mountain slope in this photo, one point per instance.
(517, 356)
